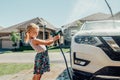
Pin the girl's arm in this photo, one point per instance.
(45, 42)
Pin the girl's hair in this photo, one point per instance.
(30, 27)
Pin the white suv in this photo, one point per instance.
(95, 51)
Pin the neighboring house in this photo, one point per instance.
(70, 29)
(116, 16)
(1, 27)
(95, 17)
(20, 28)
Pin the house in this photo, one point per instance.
(95, 17)
(1, 27)
(71, 28)
(116, 16)
(45, 28)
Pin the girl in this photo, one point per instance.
(41, 59)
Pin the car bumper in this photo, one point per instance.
(80, 75)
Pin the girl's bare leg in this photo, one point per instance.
(37, 76)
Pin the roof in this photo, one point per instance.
(75, 23)
(96, 16)
(93, 17)
(116, 16)
(48, 25)
(39, 21)
(9, 29)
(24, 24)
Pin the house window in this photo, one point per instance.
(40, 35)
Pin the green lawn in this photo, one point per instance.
(12, 68)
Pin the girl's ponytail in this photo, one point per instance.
(26, 37)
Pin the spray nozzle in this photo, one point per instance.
(56, 33)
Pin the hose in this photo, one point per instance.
(54, 34)
(64, 60)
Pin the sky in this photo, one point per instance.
(57, 12)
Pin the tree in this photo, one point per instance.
(15, 37)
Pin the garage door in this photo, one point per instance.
(7, 44)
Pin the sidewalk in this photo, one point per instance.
(57, 66)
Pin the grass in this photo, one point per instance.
(12, 68)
